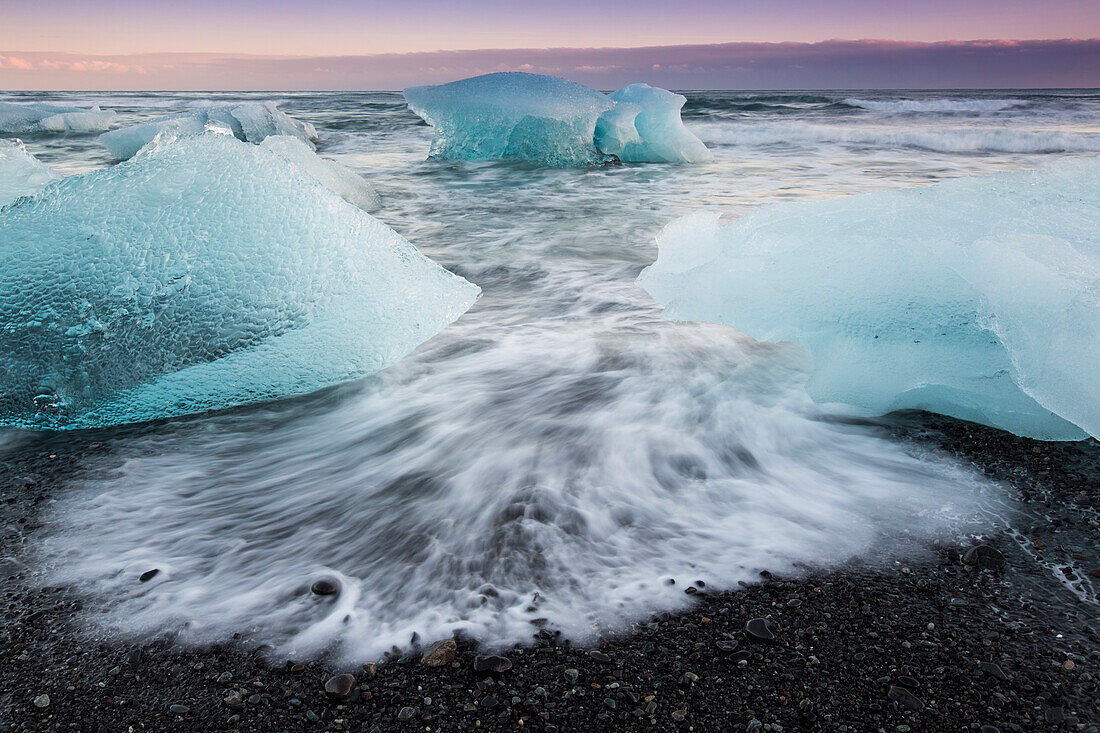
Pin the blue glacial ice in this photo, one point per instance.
(204, 273)
(249, 121)
(541, 119)
(645, 126)
(25, 119)
(21, 174)
(347, 183)
(976, 297)
(553, 122)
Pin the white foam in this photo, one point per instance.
(936, 105)
(959, 139)
(582, 465)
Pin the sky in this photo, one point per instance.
(346, 44)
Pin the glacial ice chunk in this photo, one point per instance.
(538, 118)
(41, 118)
(976, 297)
(553, 122)
(202, 274)
(21, 174)
(250, 121)
(347, 183)
(645, 126)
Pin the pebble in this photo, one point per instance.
(233, 701)
(439, 653)
(406, 713)
(906, 698)
(679, 715)
(148, 575)
(340, 687)
(492, 663)
(993, 670)
(758, 629)
(599, 656)
(178, 709)
(325, 587)
(42, 701)
(727, 645)
(908, 682)
(984, 557)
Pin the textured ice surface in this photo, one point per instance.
(21, 173)
(554, 122)
(202, 274)
(251, 121)
(38, 118)
(347, 183)
(541, 119)
(977, 297)
(645, 126)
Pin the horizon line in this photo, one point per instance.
(502, 49)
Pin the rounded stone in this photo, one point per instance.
(439, 653)
(758, 629)
(326, 587)
(984, 557)
(492, 663)
(340, 687)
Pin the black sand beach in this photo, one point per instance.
(881, 645)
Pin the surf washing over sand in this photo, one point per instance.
(561, 450)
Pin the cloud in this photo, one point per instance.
(15, 63)
(90, 66)
(848, 64)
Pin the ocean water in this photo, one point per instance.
(560, 452)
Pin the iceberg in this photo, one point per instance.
(251, 122)
(976, 297)
(645, 126)
(537, 118)
(202, 274)
(41, 118)
(553, 122)
(348, 184)
(21, 174)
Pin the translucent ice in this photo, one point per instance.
(553, 122)
(977, 297)
(347, 183)
(202, 274)
(645, 126)
(21, 174)
(38, 118)
(538, 118)
(251, 121)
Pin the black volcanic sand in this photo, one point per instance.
(933, 644)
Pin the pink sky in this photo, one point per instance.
(364, 44)
(829, 64)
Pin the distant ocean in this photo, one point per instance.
(561, 451)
